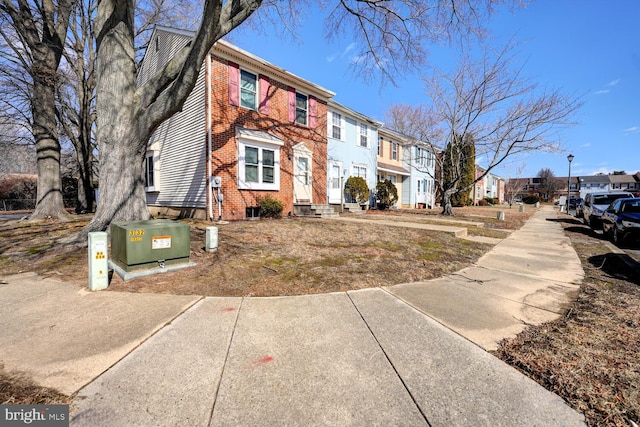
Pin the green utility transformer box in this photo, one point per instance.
(160, 243)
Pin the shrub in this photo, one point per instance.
(386, 194)
(492, 200)
(483, 202)
(270, 207)
(530, 199)
(357, 188)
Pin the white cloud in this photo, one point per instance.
(600, 92)
(614, 82)
(633, 129)
(342, 54)
(588, 144)
(603, 170)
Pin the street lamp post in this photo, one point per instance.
(570, 158)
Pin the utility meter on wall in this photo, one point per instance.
(216, 182)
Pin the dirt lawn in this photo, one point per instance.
(589, 357)
(275, 257)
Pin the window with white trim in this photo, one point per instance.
(302, 109)
(336, 126)
(258, 166)
(364, 135)
(394, 151)
(360, 170)
(248, 90)
(149, 172)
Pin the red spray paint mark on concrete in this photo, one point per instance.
(264, 360)
(227, 309)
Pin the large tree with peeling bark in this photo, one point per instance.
(492, 102)
(392, 35)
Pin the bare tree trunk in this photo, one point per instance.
(49, 203)
(447, 207)
(121, 194)
(85, 178)
(121, 190)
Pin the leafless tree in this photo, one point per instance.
(35, 32)
(393, 35)
(548, 184)
(491, 101)
(513, 184)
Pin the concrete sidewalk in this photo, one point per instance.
(401, 355)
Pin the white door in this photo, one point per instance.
(335, 184)
(302, 176)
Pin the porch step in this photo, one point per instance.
(315, 211)
(353, 208)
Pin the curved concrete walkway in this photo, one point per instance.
(409, 354)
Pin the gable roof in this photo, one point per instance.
(231, 52)
(361, 117)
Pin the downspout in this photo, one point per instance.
(209, 142)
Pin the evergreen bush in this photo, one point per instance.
(270, 207)
(358, 189)
(530, 199)
(386, 194)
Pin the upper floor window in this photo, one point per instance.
(336, 125)
(380, 147)
(302, 108)
(394, 151)
(364, 135)
(248, 90)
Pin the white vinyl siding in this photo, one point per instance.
(164, 48)
(180, 140)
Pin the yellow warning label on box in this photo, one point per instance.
(160, 242)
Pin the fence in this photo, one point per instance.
(28, 204)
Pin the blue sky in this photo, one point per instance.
(589, 49)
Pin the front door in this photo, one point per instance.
(335, 184)
(302, 175)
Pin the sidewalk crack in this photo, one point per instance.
(404, 384)
(224, 364)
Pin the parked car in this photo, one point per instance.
(574, 202)
(621, 220)
(580, 209)
(596, 203)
